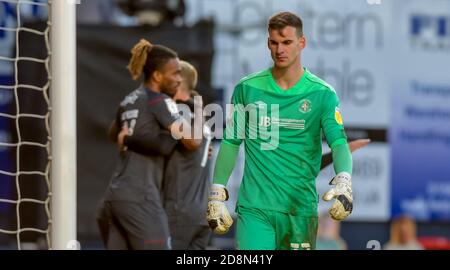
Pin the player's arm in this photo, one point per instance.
(166, 113)
(218, 217)
(333, 129)
(148, 142)
(190, 135)
(162, 142)
(327, 158)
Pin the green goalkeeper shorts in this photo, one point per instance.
(259, 229)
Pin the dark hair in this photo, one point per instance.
(147, 58)
(283, 19)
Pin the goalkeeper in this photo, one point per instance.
(277, 201)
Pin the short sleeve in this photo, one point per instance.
(166, 111)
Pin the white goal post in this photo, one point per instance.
(63, 124)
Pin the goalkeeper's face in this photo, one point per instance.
(171, 77)
(285, 46)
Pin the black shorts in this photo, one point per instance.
(190, 237)
(130, 225)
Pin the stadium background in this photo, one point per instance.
(387, 59)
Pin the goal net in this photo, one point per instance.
(37, 122)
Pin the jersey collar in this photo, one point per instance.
(294, 90)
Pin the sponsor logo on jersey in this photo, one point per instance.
(338, 116)
(289, 123)
(265, 121)
(305, 106)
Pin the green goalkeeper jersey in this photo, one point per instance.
(281, 130)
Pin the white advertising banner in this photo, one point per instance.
(347, 46)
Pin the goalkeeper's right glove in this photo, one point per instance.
(218, 217)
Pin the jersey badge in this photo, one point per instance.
(305, 106)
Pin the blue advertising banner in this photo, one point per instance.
(420, 120)
(420, 145)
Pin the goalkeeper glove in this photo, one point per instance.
(342, 192)
(218, 217)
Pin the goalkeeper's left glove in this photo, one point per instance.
(342, 191)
